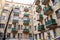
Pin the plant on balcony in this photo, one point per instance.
(41, 27)
(48, 10)
(40, 16)
(38, 8)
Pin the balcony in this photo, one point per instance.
(48, 10)
(2, 25)
(26, 9)
(27, 15)
(40, 17)
(26, 22)
(15, 21)
(45, 2)
(41, 28)
(5, 11)
(51, 24)
(16, 12)
(38, 9)
(37, 2)
(26, 30)
(14, 30)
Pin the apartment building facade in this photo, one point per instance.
(37, 21)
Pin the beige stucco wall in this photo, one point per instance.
(32, 16)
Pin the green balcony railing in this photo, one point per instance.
(15, 21)
(50, 22)
(26, 14)
(16, 13)
(40, 16)
(26, 30)
(26, 21)
(38, 7)
(14, 29)
(46, 9)
(41, 27)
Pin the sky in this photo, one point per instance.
(23, 1)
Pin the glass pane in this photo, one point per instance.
(3, 18)
(8, 35)
(9, 26)
(2, 25)
(15, 17)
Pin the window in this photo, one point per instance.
(15, 26)
(30, 27)
(39, 36)
(35, 28)
(9, 26)
(51, 16)
(2, 25)
(43, 35)
(54, 2)
(18, 27)
(47, 18)
(30, 8)
(49, 36)
(30, 36)
(15, 17)
(1, 34)
(34, 18)
(36, 36)
(21, 27)
(8, 35)
(19, 35)
(58, 13)
(16, 10)
(54, 33)
(5, 10)
(3, 18)
(13, 36)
